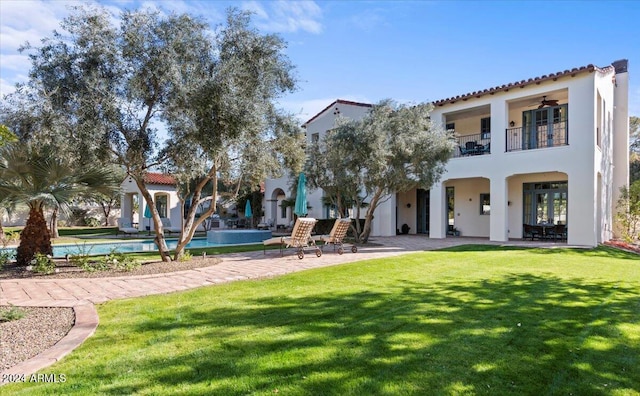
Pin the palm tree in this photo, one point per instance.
(39, 178)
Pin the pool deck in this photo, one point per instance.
(82, 293)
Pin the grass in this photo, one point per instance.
(466, 320)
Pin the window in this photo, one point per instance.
(485, 128)
(451, 204)
(162, 203)
(545, 203)
(485, 204)
(283, 211)
(450, 127)
(315, 137)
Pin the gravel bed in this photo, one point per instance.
(37, 331)
(41, 328)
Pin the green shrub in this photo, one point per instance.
(186, 256)
(92, 222)
(14, 313)
(120, 261)
(42, 264)
(11, 236)
(114, 260)
(6, 258)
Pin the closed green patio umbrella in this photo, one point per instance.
(300, 208)
(247, 211)
(147, 215)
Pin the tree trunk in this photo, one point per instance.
(106, 210)
(159, 240)
(35, 237)
(53, 224)
(368, 218)
(2, 236)
(190, 223)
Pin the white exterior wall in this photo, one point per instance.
(174, 208)
(593, 168)
(320, 125)
(589, 206)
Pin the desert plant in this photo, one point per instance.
(120, 261)
(14, 313)
(5, 258)
(42, 264)
(628, 211)
(186, 256)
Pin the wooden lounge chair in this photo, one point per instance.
(125, 227)
(167, 227)
(299, 239)
(337, 235)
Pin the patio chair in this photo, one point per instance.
(486, 149)
(299, 239)
(529, 231)
(125, 227)
(167, 227)
(560, 232)
(336, 236)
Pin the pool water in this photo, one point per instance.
(122, 247)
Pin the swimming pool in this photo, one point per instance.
(123, 247)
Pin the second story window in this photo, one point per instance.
(485, 128)
(315, 137)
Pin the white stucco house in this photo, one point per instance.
(163, 188)
(549, 150)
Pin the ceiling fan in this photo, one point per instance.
(545, 102)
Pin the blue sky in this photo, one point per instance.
(411, 51)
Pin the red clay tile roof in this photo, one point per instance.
(159, 178)
(338, 101)
(536, 80)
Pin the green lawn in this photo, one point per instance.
(466, 320)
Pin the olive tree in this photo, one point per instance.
(393, 148)
(108, 81)
(225, 123)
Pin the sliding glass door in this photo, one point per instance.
(545, 203)
(546, 127)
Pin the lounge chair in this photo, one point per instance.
(125, 227)
(336, 236)
(167, 227)
(299, 239)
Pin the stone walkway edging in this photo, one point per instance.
(85, 325)
(71, 293)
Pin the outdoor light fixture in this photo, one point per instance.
(512, 124)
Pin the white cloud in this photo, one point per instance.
(287, 16)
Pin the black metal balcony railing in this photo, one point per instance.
(532, 137)
(472, 145)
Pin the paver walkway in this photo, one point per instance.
(80, 294)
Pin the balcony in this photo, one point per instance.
(473, 145)
(532, 136)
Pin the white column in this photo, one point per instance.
(384, 218)
(438, 211)
(127, 206)
(582, 207)
(499, 224)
